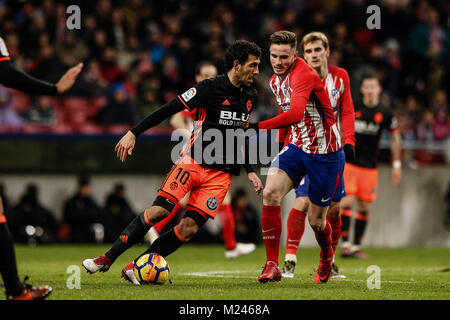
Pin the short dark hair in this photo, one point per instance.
(119, 187)
(369, 75)
(240, 50)
(83, 181)
(284, 37)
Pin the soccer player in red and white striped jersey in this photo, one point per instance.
(316, 51)
(313, 147)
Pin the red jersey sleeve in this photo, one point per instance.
(303, 82)
(347, 112)
(282, 132)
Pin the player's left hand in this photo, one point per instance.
(68, 79)
(253, 177)
(396, 175)
(349, 151)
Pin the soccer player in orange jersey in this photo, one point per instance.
(361, 175)
(184, 120)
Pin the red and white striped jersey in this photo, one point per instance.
(306, 107)
(337, 84)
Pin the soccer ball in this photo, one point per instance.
(151, 268)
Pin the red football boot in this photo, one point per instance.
(323, 273)
(32, 293)
(271, 272)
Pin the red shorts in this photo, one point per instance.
(361, 182)
(208, 186)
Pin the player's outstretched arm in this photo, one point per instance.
(125, 146)
(68, 79)
(14, 78)
(257, 184)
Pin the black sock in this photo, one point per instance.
(132, 234)
(165, 244)
(345, 227)
(8, 268)
(360, 227)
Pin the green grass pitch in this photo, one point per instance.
(201, 272)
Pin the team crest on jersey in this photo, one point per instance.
(188, 95)
(286, 90)
(249, 105)
(212, 203)
(378, 117)
(334, 92)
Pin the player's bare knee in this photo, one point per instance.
(302, 204)
(363, 206)
(187, 227)
(316, 224)
(155, 214)
(271, 196)
(334, 210)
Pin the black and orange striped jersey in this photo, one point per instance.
(222, 111)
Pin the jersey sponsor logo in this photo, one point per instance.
(363, 127)
(3, 50)
(188, 95)
(212, 203)
(233, 115)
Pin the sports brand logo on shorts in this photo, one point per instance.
(212, 203)
(188, 95)
(173, 186)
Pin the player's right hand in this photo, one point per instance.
(125, 146)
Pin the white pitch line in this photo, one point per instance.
(232, 274)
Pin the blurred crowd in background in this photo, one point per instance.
(83, 219)
(140, 54)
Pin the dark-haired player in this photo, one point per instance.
(184, 120)
(361, 176)
(313, 147)
(12, 77)
(223, 103)
(316, 51)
